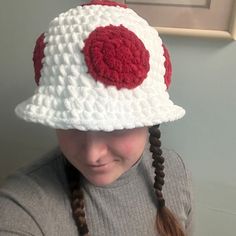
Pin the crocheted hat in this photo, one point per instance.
(100, 66)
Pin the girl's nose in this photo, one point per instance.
(96, 148)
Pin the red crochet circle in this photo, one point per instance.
(168, 67)
(38, 55)
(116, 56)
(105, 3)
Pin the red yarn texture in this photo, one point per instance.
(105, 3)
(168, 67)
(38, 55)
(116, 56)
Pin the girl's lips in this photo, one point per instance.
(95, 166)
(103, 164)
(102, 167)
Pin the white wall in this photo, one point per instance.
(204, 84)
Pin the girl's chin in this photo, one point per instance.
(101, 181)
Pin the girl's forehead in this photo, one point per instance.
(103, 133)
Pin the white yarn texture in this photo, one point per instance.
(69, 98)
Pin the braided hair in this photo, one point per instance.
(76, 198)
(166, 222)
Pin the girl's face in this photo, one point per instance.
(102, 157)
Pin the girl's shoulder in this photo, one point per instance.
(177, 189)
(37, 177)
(178, 178)
(174, 164)
(34, 199)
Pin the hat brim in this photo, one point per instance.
(96, 110)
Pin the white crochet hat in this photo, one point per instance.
(100, 66)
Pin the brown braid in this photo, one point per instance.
(77, 198)
(158, 161)
(166, 222)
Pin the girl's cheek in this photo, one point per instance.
(125, 147)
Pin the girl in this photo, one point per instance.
(102, 74)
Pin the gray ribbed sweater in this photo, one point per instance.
(34, 200)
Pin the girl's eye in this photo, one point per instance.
(119, 132)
